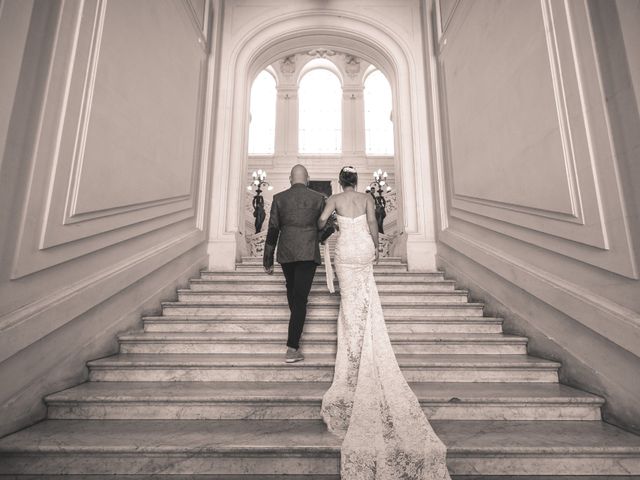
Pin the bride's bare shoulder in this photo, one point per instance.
(366, 196)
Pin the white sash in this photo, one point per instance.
(328, 268)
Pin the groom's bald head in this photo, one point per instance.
(299, 174)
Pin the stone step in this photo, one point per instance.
(382, 261)
(320, 270)
(318, 298)
(281, 309)
(315, 368)
(427, 343)
(278, 276)
(379, 268)
(301, 401)
(301, 447)
(314, 324)
(319, 285)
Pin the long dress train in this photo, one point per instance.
(370, 405)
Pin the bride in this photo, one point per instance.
(370, 405)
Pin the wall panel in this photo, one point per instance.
(104, 175)
(124, 158)
(537, 104)
(528, 149)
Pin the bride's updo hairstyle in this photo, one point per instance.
(348, 177)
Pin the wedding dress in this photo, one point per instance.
(369, 405)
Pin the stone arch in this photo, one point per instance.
(325, 63)
(340, 31)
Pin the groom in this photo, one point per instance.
(293, 228)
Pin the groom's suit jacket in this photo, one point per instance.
(293, 226)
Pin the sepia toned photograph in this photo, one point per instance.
(320, 239)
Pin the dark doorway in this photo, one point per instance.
(322, 186)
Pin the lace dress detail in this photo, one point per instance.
(370, 405)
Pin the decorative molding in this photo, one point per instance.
(255, 244)
(385, 244)
(576, 215)
(351, 65)
(585, 232)
(288, 65)
(72, 215)
(199, 20)
(71, 208)
(321, 53)
(29, 323)
(267, 36)
(614, 322)
(65, 233)
(443, 23)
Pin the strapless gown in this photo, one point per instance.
(369, 404)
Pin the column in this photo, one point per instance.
(287, 121)
(353, 141)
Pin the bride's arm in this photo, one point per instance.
(373, 223)
(329, 208)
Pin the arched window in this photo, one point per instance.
(377, 114)
(262, 129)
(320, 120)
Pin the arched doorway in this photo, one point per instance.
(330, 109)
(278, 38)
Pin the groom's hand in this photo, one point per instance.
(269, 270)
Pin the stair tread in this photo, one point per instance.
(254, 269)
(332, 319)
(477, 437)
(317, 279)
(283, 303)
(317, 359)
(327, 293)
(390, 259)
(315, 337)
(312, 391)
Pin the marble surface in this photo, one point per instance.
(244, 278)
(199, 360)
(318, 285)
(316, 367)
(318, 297)
(160, 476)
(281, 309)
(387, 276)
(490, 447)
(301, 400)
(318, 325)
(272, 342)
(168, 409)
(272, 391)
(442, 337)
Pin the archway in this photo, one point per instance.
(359, 36)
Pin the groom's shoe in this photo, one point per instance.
(293, 355)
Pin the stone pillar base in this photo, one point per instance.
(222, 254)
(421, 254)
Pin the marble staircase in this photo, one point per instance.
(203, 390)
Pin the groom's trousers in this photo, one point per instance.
(299, 276)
